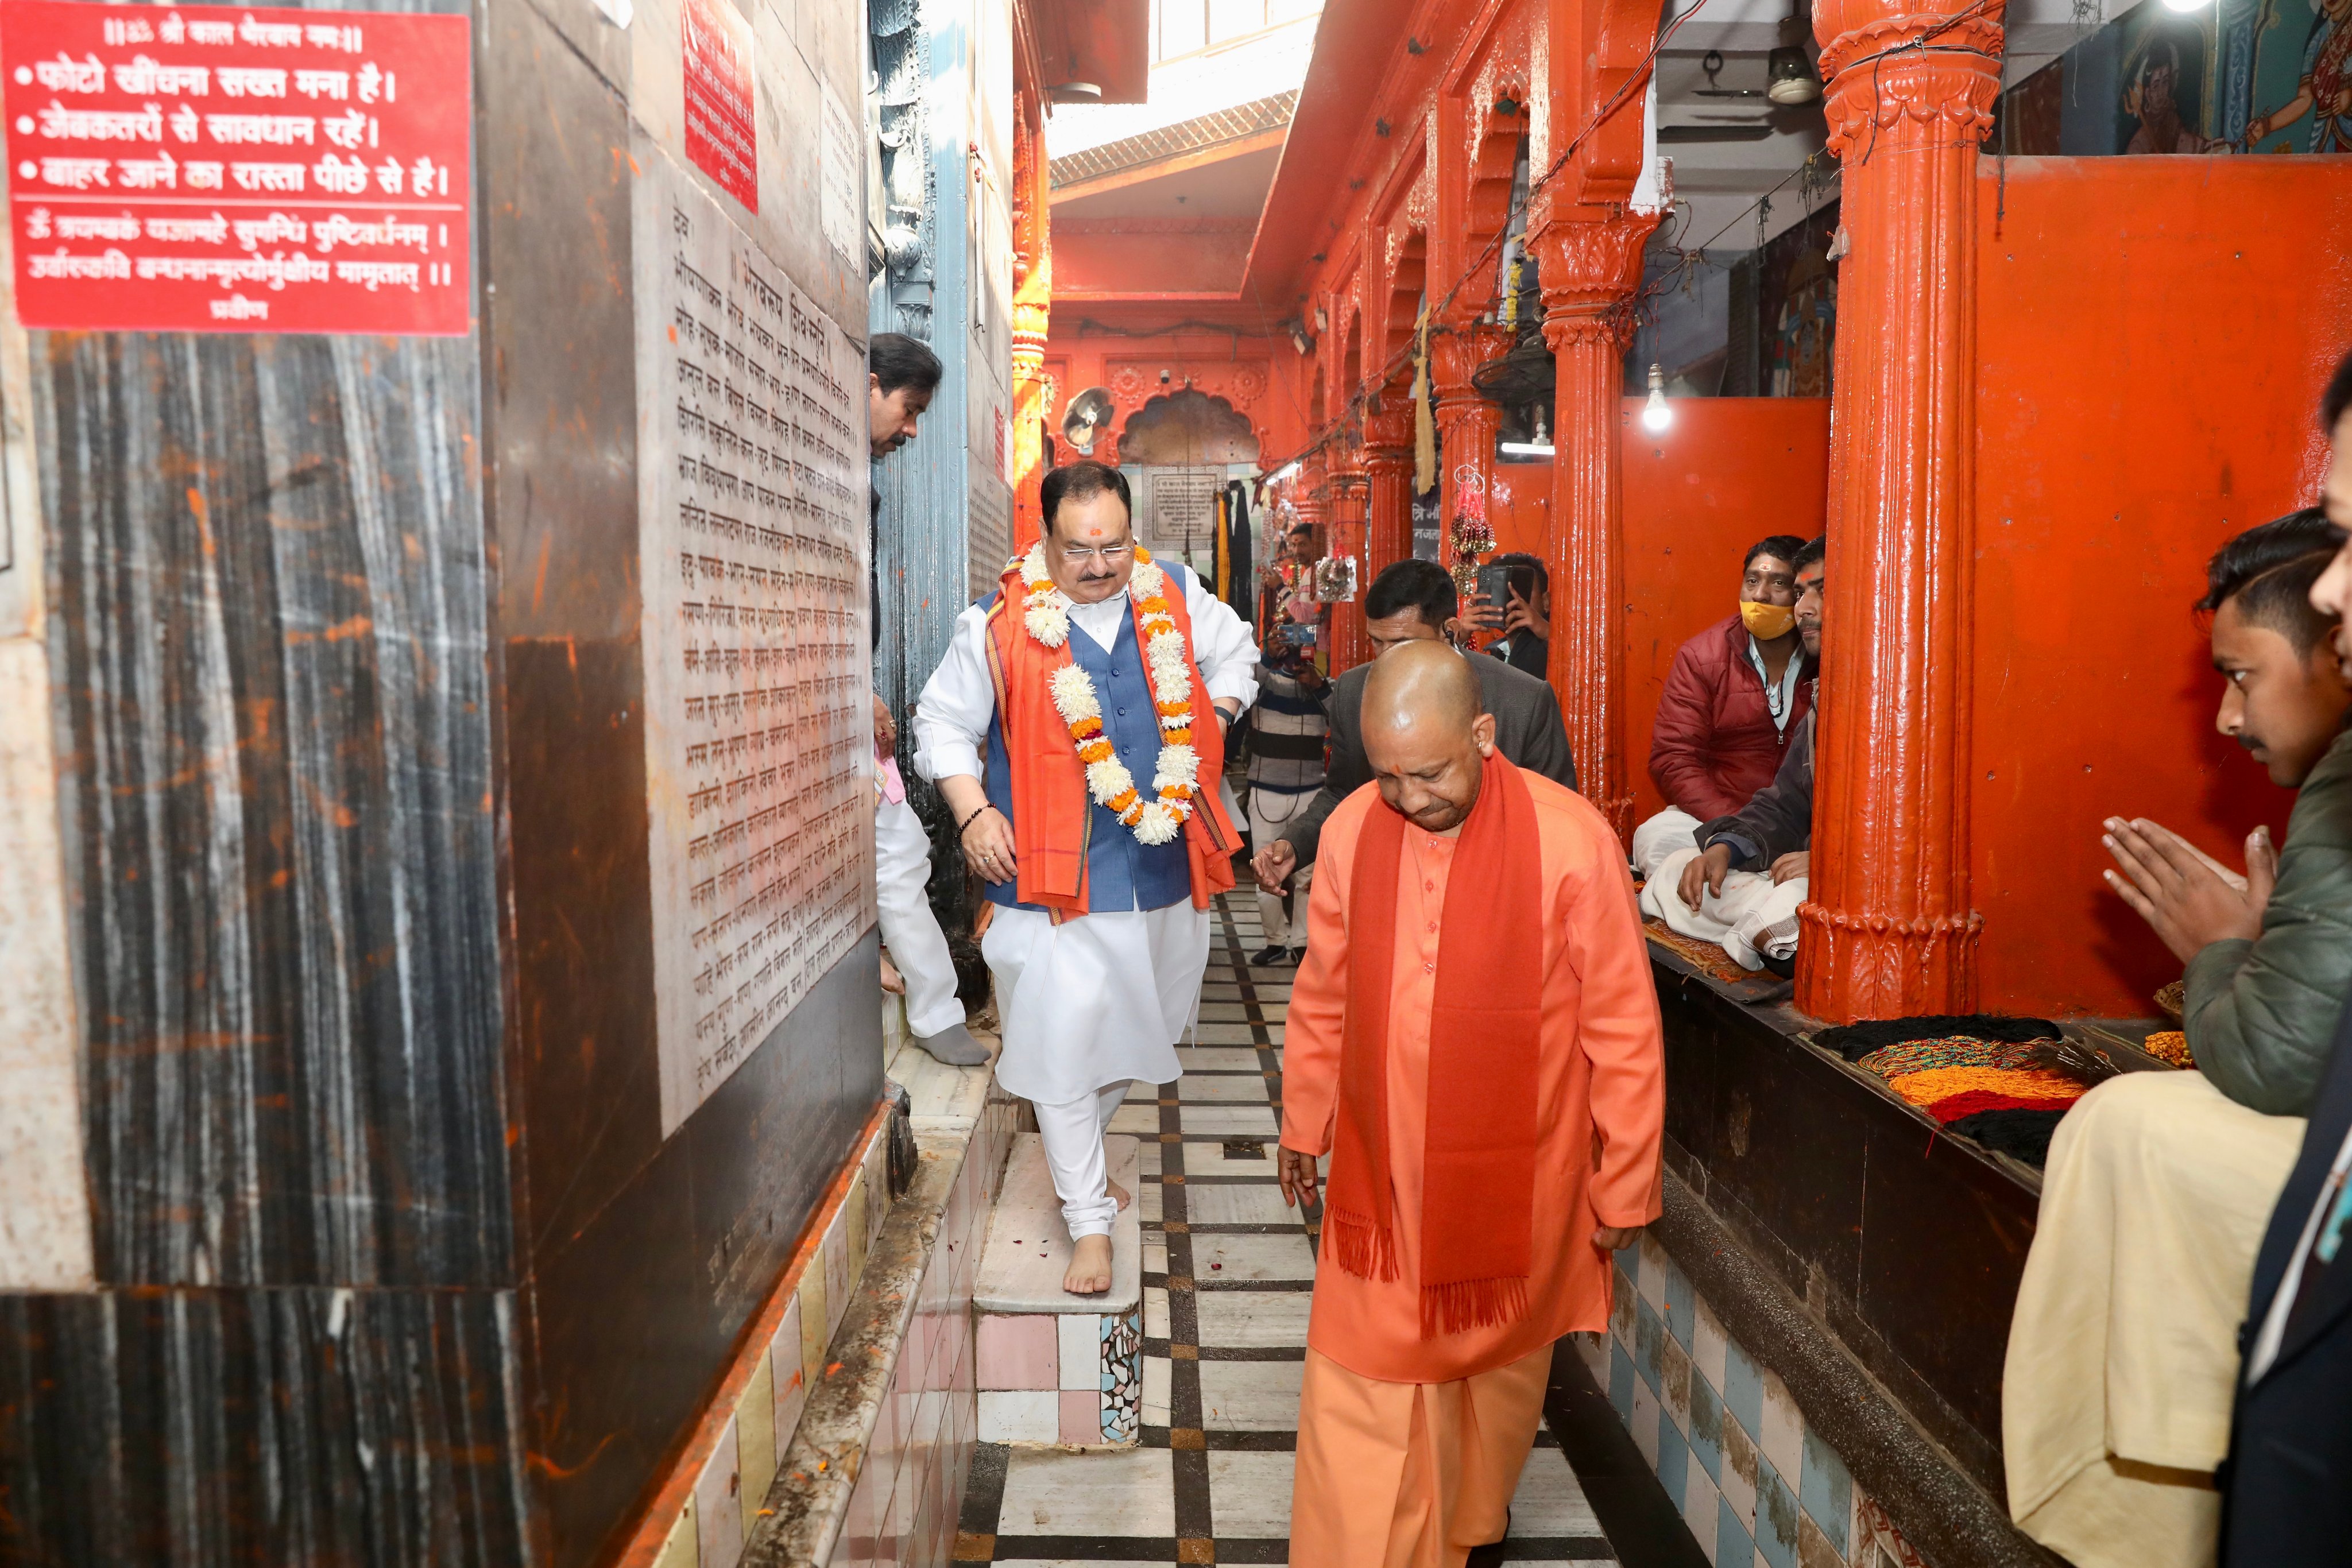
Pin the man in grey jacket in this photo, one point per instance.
(1775, 829)
(1412, 601)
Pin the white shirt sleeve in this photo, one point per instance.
(952, 716)
(1222, 644)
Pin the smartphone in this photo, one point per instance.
(1498, 581)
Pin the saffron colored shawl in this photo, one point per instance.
(1478, 1168)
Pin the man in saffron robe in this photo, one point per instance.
(1076, 730)
(1474, 1039)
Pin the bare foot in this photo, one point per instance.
(1118, 1193)
(1089, 1272)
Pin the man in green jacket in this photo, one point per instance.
(2123, 1350)
(2269, 954)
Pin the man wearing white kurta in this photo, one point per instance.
(1081, 756)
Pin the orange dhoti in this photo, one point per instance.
(1409, 1475)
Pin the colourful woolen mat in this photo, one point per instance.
(1947, 1094)
(1988, 1090)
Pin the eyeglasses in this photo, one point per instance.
(1109, 555)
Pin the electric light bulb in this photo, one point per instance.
(1656, 415)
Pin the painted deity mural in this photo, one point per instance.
(2247, 76)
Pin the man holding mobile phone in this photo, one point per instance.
(1514, 598)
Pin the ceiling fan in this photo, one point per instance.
(1745, 130)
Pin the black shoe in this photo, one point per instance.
(1491, 1554)
(1266, 957)
(1298, 955)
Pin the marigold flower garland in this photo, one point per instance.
(1167, 664)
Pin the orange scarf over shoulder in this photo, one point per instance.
(1478, 1169)
(1052, 811)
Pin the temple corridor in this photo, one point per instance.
(1227, 1272)
(637, 637)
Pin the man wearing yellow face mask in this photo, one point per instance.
(1737, 693)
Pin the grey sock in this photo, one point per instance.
(954, 1046)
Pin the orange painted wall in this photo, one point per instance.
(1726, 473)
(2153, 334)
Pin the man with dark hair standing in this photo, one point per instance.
(2121, 1359)
(1409, 601)
(1076, 730)
(1737, 693)
(902, 376)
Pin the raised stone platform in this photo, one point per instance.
(1056, 1367)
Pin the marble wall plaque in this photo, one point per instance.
(753, 547)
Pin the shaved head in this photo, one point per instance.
(1426, 733)
(1421, 679)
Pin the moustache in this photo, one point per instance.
(2251, 742)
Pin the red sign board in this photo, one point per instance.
(720, 138)
(210, 169)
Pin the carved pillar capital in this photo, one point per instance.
(1590, 271)
(1456, 352)
(1906, 79)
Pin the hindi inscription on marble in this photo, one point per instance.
(753, 543)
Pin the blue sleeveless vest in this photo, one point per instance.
(1123, 872)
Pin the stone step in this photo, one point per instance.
(1053, 1367)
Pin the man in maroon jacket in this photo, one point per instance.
(1736, 692)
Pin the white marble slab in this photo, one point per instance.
(1064, 1492)
(1028, 1250)
(1251, 1396)
(45, 1225)
(1217, 1259)
(940, 1092)
(1253, 1319)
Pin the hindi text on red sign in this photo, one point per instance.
(207, 168)
(720, 138)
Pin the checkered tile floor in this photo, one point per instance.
(1227, 1274)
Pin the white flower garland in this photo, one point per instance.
(1167, 664)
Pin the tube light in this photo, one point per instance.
(2184, 4)
(1285, 472)
(1525, 448)
(1656, 415)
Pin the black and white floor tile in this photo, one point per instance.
(1228, 1272)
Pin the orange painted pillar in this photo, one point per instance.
(1032, 289)
(1467, 423)
(1590, 272)
(1388, 490)
(1350, 646)
(1889, 932)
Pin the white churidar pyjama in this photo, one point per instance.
(902, 866)
(1752, 918)
(1073, 1136)
(1089, 1007)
